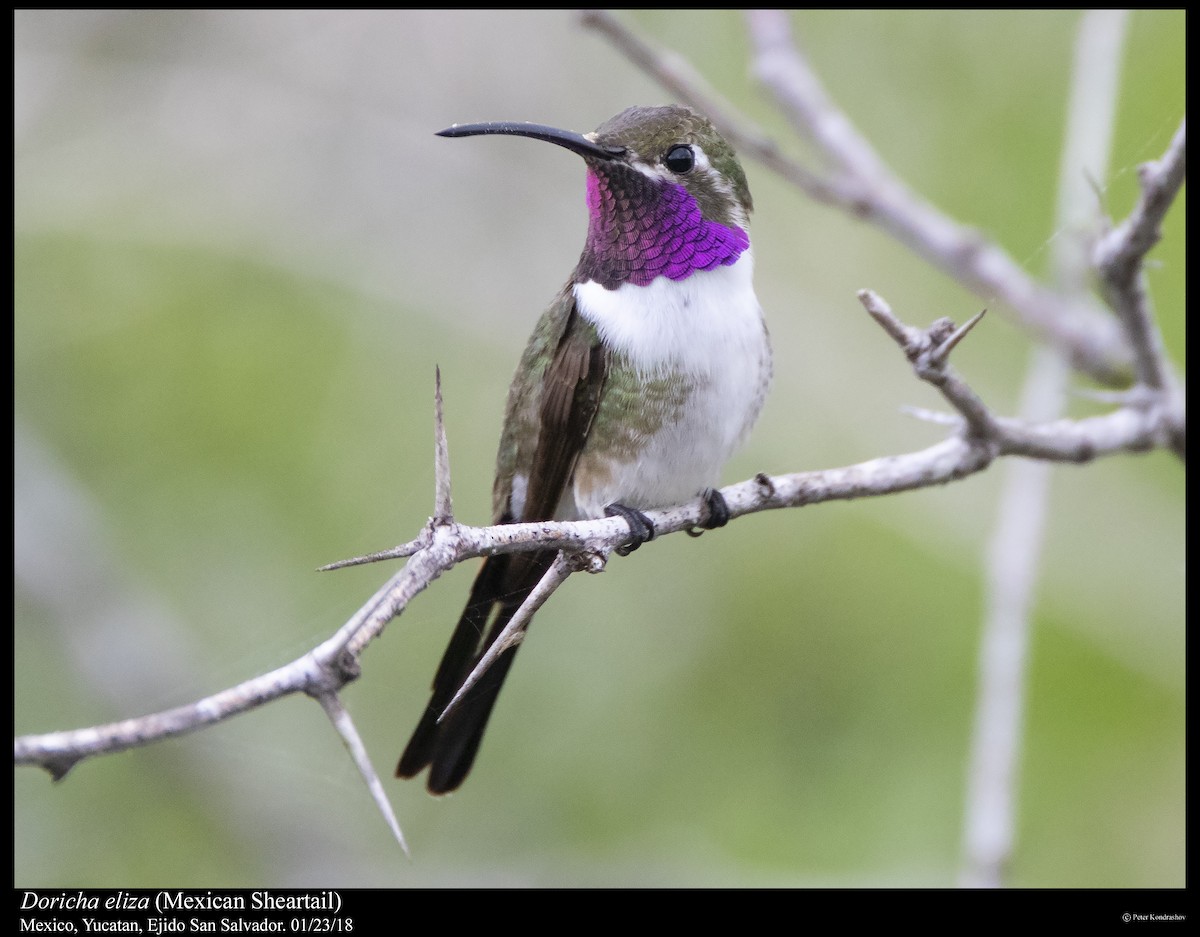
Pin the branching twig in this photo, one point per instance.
(1119, 257)
(929, 352)
(1119, 254)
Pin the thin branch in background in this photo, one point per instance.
(1014, 552)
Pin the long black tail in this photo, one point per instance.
(449, 747)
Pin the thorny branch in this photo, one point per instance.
(1150, 417)
(979, 439)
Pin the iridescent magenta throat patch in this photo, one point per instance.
(642, 228)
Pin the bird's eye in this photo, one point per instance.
(680, 159)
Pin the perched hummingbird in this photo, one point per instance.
(638, 383)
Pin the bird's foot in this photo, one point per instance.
(718, 512)
(641, 528)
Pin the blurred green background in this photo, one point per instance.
(240, 253)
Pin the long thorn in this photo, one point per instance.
(514, 631)
(358, 752)
(392, 553)
(443, 506)
(938, 356)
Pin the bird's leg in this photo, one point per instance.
(718, 512)
(641, 528)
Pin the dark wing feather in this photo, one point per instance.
(572, 387)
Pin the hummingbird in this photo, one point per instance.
(641, 379)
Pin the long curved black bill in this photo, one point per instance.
(575, 142)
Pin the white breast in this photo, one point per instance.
(708, 327)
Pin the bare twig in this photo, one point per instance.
(1120, 253)
(1119, 257)
(58, 752)
(929, 353)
